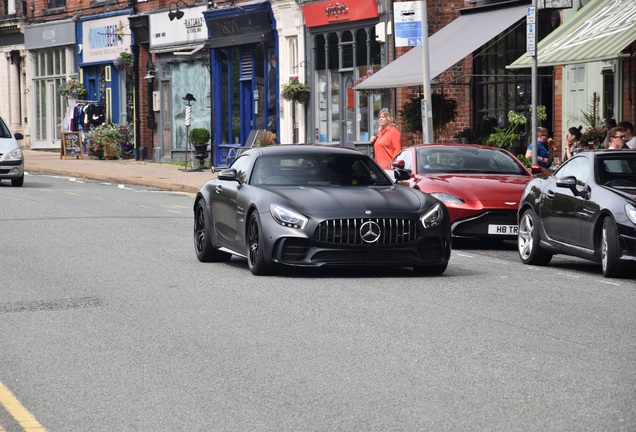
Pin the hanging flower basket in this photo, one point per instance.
(295, 91)
(72, 89)
(124, 61)
(361, 80)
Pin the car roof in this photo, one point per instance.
(282, 149)
(456, 145)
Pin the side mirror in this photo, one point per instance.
(18, 136)
(569, 183)
(228, 174)
(401, 174)
(535, 169)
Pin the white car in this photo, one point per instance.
(11, 156)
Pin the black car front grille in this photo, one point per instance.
(347, 231)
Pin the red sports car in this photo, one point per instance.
(480, 185)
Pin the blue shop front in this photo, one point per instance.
(106, 74)
(244, 76)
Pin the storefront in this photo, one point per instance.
(177, 39)
(52, 55)
(343, 47)
(245, 70)
(106, 66)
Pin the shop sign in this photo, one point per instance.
(333, 12)
(187, 30)
(49, 35)
(104, 39)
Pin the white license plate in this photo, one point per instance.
(503, 229)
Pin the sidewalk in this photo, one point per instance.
(158, 175)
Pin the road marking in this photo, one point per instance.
(18, 412)
(610, 283)
(463, 255)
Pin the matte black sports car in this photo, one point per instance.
(310, 206)
(587, 208)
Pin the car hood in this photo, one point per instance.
(476, 187)
(627, 193)
(7, 145)
(353, 200)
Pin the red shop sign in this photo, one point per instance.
(333, 12)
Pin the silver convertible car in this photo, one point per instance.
(312, 206)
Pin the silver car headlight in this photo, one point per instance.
(14, 155)
(447, 198)
(287, 217)
(630, 211)
(433, 216)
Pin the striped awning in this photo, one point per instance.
(599, 31)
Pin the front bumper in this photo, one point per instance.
(11, 169)
(477, 227)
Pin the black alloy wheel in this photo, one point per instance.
(202, 242)
(255, 260)
(610, 249)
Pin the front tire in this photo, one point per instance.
(610, 249)
(255, 250)
(202, 241)
(18, 182)
(529, 248)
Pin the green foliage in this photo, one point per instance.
(444, 111)
(504, 137)
(199, 136)
(111, 137)
(73, 89)
(591, 115)
(124, 61)
(295, 91)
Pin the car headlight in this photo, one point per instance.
(433, 216)
(14, 154)
(447, 198)
(630, 211)
(287, 217)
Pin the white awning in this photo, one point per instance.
(599, 31)
(451, 44)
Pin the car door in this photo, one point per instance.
(561, 207)
(225, 211)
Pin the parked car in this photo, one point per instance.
(312, 206)
(586, 208)
(11, 156)
(480, 185)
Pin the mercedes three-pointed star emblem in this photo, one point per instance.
(370, 232)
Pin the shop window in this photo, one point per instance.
(53, 4)
(343, 115)
(498, 90)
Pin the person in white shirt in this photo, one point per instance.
(630, 139)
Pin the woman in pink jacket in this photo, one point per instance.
(388, 142)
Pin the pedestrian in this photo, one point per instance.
(573, 144)
(617, 138)
(630, 139)
(388, 142)
(609, 123)
(543, 152)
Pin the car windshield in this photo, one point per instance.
(320, 169)
(466, 160)
(4, 130)
(617, 170)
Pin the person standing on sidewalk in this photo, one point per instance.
(388, 142)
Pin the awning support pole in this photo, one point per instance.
(427, 111)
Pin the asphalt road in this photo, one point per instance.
(108, 322)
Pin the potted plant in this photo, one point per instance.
(110, 141)
(506, 137)
(124, 61)
(466, 135)
(295, 91)
(72, 89)
(199, 137)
